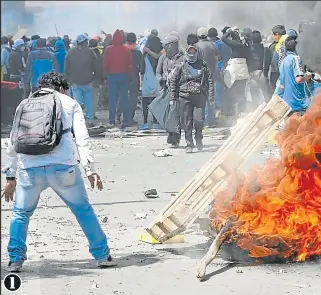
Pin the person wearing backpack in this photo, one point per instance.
(42, 152)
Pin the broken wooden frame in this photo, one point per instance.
(199, 192)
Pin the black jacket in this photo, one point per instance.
(136, 62)
(17, 63)
(183, 85)
(268, 60)
(81, 65)
(239, 50)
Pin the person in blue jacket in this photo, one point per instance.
(39, 62)
(60, 53)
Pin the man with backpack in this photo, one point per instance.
(42, 149)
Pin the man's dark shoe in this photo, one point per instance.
(109, 262)
(90, 124)
(199, 145)
(175, 145)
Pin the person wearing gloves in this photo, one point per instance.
(191, 85)
(236, 74)
(81, 70)
(172, 58)
(58, 170)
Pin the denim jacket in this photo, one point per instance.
(66, 152)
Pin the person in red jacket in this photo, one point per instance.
(117, 66)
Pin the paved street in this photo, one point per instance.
(59, 261)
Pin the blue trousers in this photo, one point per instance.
(84, 96)
(68, 183)
(118, 88)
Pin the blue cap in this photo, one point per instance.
(292, 32)
(81, 38)
(17, 43)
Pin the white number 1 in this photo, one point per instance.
(12, 283)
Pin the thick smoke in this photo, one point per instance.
(93, 16)
(309, 42)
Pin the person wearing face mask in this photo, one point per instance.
(191, 85)
(172, 58)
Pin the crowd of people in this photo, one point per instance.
(59, 76)
(208, 77)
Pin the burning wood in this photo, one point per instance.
(277, 207)
(215, 247)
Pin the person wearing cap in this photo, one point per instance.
(5, 52)
(270, 64)
(191, 85)
(172, 58)
(39, 62)
(81, 70)
(209, 54)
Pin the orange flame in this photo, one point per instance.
(278, 206)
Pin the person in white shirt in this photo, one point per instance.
(58, 170)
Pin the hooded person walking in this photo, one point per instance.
(118, 68)
(60, 53)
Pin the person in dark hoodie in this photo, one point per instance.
(191, 85)
(153, 44)
(172, 58)
(118, 68)
(256, 69)
(66, 41)
(60, 53)
(39, 62)
(81, 70)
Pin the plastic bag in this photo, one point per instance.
(172, 118)
(150, 87)
(167, 115)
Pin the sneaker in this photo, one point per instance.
(15, 266)
(156, 127)
(188, 150)
(109, 262)
(199, 145)
(144, 127)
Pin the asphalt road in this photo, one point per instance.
(59, 261)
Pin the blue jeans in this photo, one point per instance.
(84, 96)
(68, 183)
(118, 88)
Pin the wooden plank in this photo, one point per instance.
(191, 201)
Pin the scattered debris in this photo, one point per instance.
(151, 194)
(94, 286)
(140, 215)
(133, 143)
(41, 256)
(163, 153)
(104, 219)
(239, 271)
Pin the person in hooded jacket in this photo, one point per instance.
(66, 41)
(81, 70)
(172, 58)
(191, 85)
(60, 53)
(118, 68)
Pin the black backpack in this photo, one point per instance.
(37, 127)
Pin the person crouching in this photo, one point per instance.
(191, 85)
